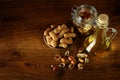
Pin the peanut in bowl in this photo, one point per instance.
(59, 36)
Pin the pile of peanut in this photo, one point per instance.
(59, 36)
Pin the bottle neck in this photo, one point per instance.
(102, 26)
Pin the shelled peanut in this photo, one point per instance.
(68, 61)
(59, 36)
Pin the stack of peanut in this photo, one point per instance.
(59, 36)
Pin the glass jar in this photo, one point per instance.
(83, 18)
(99, 44)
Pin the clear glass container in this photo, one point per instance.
(99, 44)
(83, 17)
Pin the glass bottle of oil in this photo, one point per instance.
(99, 44)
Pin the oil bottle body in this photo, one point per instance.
(99, 44)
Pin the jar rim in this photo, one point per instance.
(78, 19)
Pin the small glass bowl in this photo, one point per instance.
(83, 18)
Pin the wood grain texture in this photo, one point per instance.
(25, 56)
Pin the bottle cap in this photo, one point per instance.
(103, 18)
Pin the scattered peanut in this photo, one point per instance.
(63, 60)
(62, 65)
(80, 60)
(71, 66)
(57, 57)
(80, 66)
(67, 53)
(72, 60)
(62, 45)
(82, 55)
(86, 60)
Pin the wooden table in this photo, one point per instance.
(25, 56)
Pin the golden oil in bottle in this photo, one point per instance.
(99, 44)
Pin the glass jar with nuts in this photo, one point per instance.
(59, 36)
(83, 17)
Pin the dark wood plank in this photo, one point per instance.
(24, 54)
